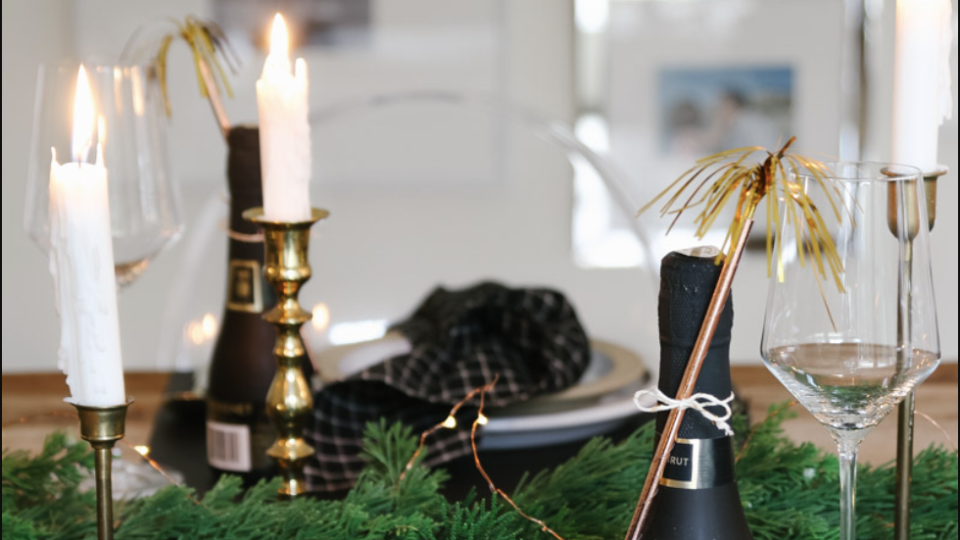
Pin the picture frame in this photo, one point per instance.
(673, 65)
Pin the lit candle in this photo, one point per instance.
(284, 132)
(922, 98)
(81, 261)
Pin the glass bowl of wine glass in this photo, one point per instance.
(145, 207)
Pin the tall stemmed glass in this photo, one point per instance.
(850, 347)
(145, 205)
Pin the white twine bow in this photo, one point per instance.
(696, 402)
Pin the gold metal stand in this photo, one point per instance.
(102, 427)
(906, 413)
(289, 401)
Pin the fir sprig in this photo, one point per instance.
(789, 491)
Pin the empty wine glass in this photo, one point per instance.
(145, 205)
(851, 345)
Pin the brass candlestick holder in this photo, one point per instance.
(102, 427)
(907, 410)
(289, 401)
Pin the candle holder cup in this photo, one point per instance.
(102, 427)
(289, 401)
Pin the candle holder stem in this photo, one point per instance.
(102, 427)
(907, 410)
(290, 400)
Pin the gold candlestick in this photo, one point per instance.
(289, 401)
(907, 410)
(102, 427)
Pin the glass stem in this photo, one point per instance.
(848, 488)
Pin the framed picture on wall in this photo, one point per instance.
(705, 110)
(684, 80)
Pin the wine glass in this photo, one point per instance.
(145, 206)
(851, 345)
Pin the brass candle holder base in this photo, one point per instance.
(289, 401)
(102, 427)
(907, 410)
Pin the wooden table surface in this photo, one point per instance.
(33, 407)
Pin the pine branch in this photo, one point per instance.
(789, 492)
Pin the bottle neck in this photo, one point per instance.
(245, 237)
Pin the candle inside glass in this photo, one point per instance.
(81, 262)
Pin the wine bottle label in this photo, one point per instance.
(228, 447)
(245, 287)
(700, 464)
(238, 437)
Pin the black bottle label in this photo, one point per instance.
(238, 436)
(700, 464)
(245, 287)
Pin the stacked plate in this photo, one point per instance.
(600, 402)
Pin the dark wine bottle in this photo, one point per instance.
(243, 366)
(698, 497)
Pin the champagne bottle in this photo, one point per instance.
(698, 497)
(242, 368)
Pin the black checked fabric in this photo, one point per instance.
(460, 341)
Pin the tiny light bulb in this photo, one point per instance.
(209, 326)
(483, 420)
(142, 450)
(195, 333)
(450, 423)
(321, 317)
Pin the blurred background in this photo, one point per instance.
(463, 140)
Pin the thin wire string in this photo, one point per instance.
(481, 420)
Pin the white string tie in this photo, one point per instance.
(696, 402)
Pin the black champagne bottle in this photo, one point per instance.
(242, 368)
(698, 497)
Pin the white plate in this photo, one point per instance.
(600, 402)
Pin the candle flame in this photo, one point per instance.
(279, 38)
(84, 119)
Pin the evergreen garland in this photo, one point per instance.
(789, 492)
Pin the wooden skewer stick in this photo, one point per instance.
(687, 386)
(213, 95)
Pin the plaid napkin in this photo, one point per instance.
(460, 341)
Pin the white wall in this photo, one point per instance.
(383, 249)
(33, 32)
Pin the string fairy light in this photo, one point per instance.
(144, 453)
(943, 430)
(141, 451)
(449, 423)
(24, 420)
(743, 450)
(481, 420)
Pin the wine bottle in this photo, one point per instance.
(698, 497)
(243, 365)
